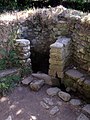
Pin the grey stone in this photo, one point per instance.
(53, 91)
(36, 84)
(54, 110)
(44, 105)
(9, 118)
(48, 101)
(64, 96)
(73, 73)
(82, 117)
(24, 56)
(75, 102)
(87, 108)
(43, 76)
(22, 42)
(8, 72)
(27, 80)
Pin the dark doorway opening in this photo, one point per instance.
(40, 62)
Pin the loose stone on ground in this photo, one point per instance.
(43, 76)
(44, 105)
(82, 117)
(27, 80)
(64, 96)
(75, 102)
(36, 85)
(48, 101)
(87, 108)
(53, 91)
(54, 110)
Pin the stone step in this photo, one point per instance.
(77, 81)
(9, 72)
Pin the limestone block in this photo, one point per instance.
(24, 56)
(75, 102)
(82, 117)
(22, 42)
(73, 73)
(36, 85)
(53, 91)
(64, 96)
(23, 49)
(43, 76)
(54, 110)
(86, 108)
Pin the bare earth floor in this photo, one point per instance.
(24, 104)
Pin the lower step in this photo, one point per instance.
(77, 81)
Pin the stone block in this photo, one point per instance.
(64, 96)
(74, 74)
(43, 76)
(36, 85)
(53, 91)
(22, 42)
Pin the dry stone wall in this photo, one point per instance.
(43, 26)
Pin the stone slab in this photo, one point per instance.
(64, 96)
(73, 73)
(53, 91)
(86, 108)
(82, 117)
(27, 80)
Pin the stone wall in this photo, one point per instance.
(43, 26)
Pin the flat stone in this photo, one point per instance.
(73, 73)
(22, 42)
(36, 84)
(8, 72)
(27, 80)
(53, 91)
(48, 101)
(75, 102)
(43, 76)
(44, 105)
(87, 108)
(54, 110)
(82, 117)
(64, 96)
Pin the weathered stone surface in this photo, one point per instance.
(75, 102)
(53, 91)
(43, 76)
(22, 42)
(87, 108)
(8, 72)
(27, 80)
(36, 85)
(48, 101)
(64, 96)
(82, 117)
(75, 74)
(44, 105)
(54, 110)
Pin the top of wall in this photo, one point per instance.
(46, 13)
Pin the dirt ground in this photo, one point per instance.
(24, 104)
